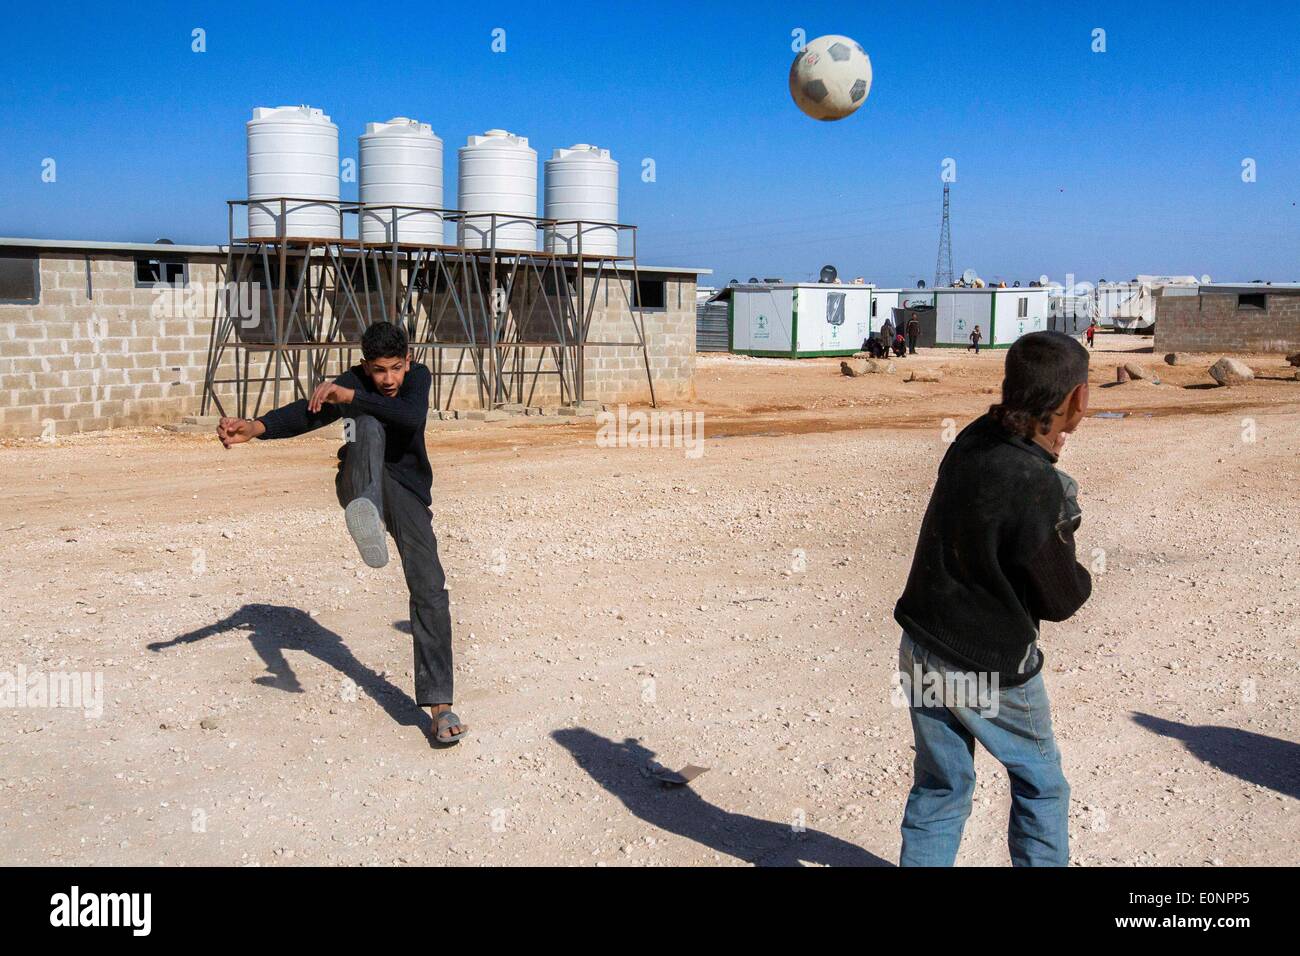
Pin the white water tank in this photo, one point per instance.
(401, 163)
(293, 151)
(498, 174)
(582, 183)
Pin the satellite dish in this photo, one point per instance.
(163, 242)
(1042, 279)
(1016, 284)
(969, 276)
(734, 282)
(1205, 279)
(753, 280)
(828, 274)
(920, 283)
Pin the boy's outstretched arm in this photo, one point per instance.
(236, 431)
(296, 418)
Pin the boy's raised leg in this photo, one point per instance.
(361, 490)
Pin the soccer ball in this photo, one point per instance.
(830, 78)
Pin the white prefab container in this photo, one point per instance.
(498, 174)
(1003, 315)
(883, 304)
(885, 301)
(401, 164)
(293, 151)
(802, 320)
(582, 183)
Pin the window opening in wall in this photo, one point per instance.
(650, 294)
(20, 279)
(151, 272)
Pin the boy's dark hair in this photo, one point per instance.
(383, 340)
(1042, 369)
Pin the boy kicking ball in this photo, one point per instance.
(995, 556)
(384, 484)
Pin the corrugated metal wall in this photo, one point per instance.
(711, 327)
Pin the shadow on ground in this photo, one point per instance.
(275, 629)
(1255, 758)
(681, 810)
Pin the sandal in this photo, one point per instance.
(445, 720)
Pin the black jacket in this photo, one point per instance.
(995, 555)
(403, 418)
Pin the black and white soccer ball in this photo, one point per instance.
(831, 77)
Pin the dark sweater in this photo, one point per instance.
(995, 555)
(403, 418)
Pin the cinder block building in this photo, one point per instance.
(1223, 317)
(102, 334)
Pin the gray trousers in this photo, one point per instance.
(363, 473)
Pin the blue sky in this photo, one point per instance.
(1068, 161)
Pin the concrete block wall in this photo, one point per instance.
(614, 375)
(98, 352)
(617, 375)
(1211, 322)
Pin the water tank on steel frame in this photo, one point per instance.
(400, 162)
(582, 183)
(498, 174)
(293, 151)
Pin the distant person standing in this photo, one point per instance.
(913, 333)
(975, 337)
(887, 335)
(1091, 332)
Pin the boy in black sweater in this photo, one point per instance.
(384, 482)
(995, 556)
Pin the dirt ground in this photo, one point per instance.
(614, 606)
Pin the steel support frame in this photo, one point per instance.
(319, 294)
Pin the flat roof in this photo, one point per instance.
(1251, 287)
(681, 269)
(77, 245)
(840, 286)
(987, 288)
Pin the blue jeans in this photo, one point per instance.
(1019, 735)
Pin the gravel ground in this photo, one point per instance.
(618, 608)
